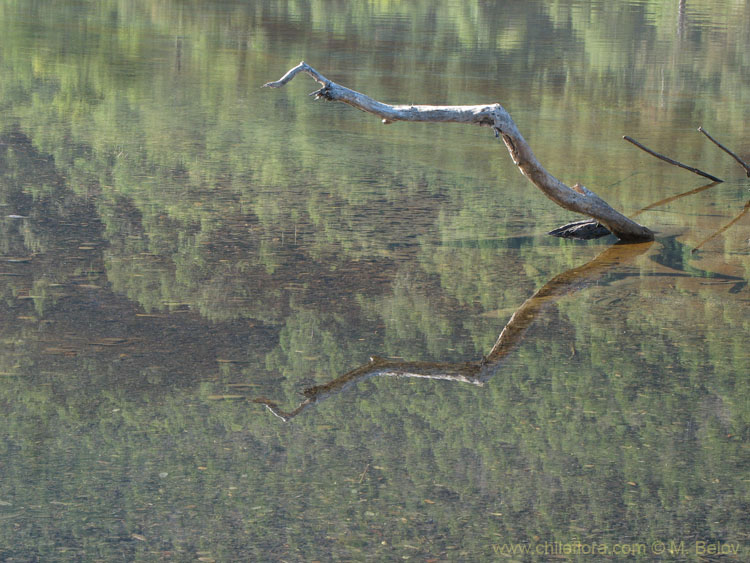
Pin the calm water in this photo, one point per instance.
(180, 247)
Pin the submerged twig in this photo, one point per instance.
(362, 476)
(726, 150)
(672, 161)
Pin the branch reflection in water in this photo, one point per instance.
(478, 371)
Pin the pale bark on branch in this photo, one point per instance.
(577, 198)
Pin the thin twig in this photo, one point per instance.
(671, 161)
(726, 150)
(362, 477)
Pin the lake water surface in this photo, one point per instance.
(183, 254)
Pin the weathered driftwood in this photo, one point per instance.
(590, 229)
(479, 371)
(671, 160)
(577, 198)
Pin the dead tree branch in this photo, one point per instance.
(577, 198)
(672, 161)
(726, 150)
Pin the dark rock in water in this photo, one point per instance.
(581, 230)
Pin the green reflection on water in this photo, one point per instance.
(172, 234)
